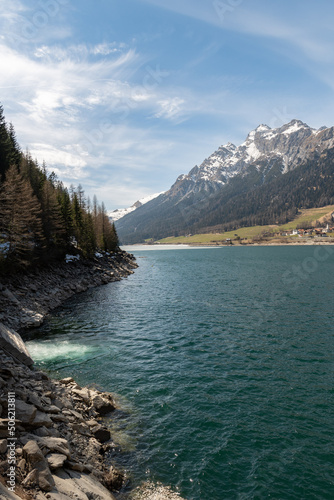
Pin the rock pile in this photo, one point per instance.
(57, 450)
(60, 437)
(59, 440)
(25, 299)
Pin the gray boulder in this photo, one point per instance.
(40, 475)
(56, 460)
(13, 344)
(25, 412)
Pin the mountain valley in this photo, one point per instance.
(265, 180)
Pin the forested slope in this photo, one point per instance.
(40, 219)
(249, 199)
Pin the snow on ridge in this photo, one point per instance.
(263, 143)
(262, 128)
(115, 215)
(120, 212)
(270, 134)
(253, 152)
(294, 128)
(150, 198)
(251, 136)
(229, 146)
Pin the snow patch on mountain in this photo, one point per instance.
(288, 145)
(252, 151)
(122, 212)
(295, 127)
(262, 128)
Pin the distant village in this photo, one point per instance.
(323, 229)
(312, 231)
(317, 231)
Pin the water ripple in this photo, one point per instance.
(226, 375)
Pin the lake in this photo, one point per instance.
(222, 361)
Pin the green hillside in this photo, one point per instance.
(307, 217)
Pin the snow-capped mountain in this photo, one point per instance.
(288, 145)
(212, 193)
(121, 212)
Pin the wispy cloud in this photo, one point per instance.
(170, 108)
(147, 106)
(23, 23)
(79, 52)
(62, 85)
(311, 35)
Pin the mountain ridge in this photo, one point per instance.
(117, 214)
(203, 197)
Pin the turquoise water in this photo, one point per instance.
(223, 361)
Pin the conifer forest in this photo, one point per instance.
(41, 220)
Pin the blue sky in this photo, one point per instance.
(123, 97)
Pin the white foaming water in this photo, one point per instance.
(63, 350)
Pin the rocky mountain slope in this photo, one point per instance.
(202, 199)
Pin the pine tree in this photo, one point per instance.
(87, 237)
(20, 216)
(81, 196)
(77, 216)
(53, 226)
(39, 217)
(111, 237)
(15, 152)
(64, 201)
(31, 171)
(5, 146)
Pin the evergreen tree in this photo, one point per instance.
(112, 238)
(31, 171)
(39, 218)
(5, 146)
(87, 238)
(53, 226)
(64, 201)
(20, 219)
(15, 152)
(77, 216)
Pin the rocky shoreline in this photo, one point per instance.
(53, 439)
(25, 299)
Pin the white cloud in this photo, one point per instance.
(23, 24)
(71, 165)
(49, 89)
(107, 48)
(170, 108)
(10, 11)
(78, 52)
(95, 119)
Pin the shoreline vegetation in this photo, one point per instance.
(54, 444)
